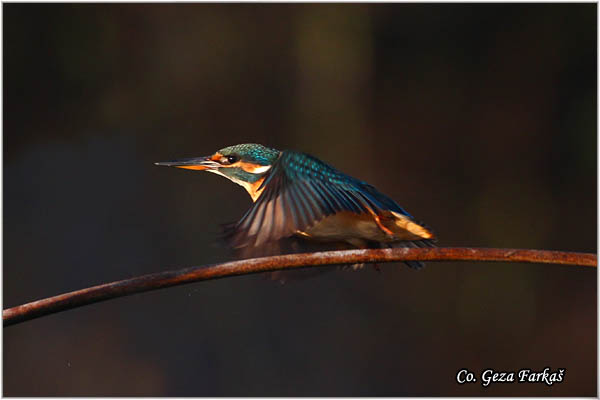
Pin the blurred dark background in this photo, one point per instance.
(479, 119)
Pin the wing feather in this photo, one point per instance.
(333, 197)
(291, 218)
(298, 206)
(312, 212)
(297, 192)
(255, 220)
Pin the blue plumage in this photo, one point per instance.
(301, 190)
(298, 196)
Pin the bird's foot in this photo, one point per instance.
(354, 267)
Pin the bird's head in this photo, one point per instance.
(244, 164)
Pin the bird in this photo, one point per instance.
(300, 198)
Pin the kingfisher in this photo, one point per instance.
(298, 197)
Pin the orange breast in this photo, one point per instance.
(253, 189)
(351, 226)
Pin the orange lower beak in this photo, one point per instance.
(196, 167)
(198, 164)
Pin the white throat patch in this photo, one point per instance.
(243, 184)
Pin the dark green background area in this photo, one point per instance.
(480, 120)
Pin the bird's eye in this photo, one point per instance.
(229, 159)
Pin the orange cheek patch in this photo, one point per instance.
(246, 166)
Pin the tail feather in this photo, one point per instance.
(296, 244)
(425, 243)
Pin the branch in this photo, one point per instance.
(159, 280)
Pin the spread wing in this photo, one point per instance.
(298, 192)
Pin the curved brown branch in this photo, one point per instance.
(159, 280)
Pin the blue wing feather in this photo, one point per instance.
(304, 166)
(302, 190)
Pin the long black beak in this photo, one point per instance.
(198, 163)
